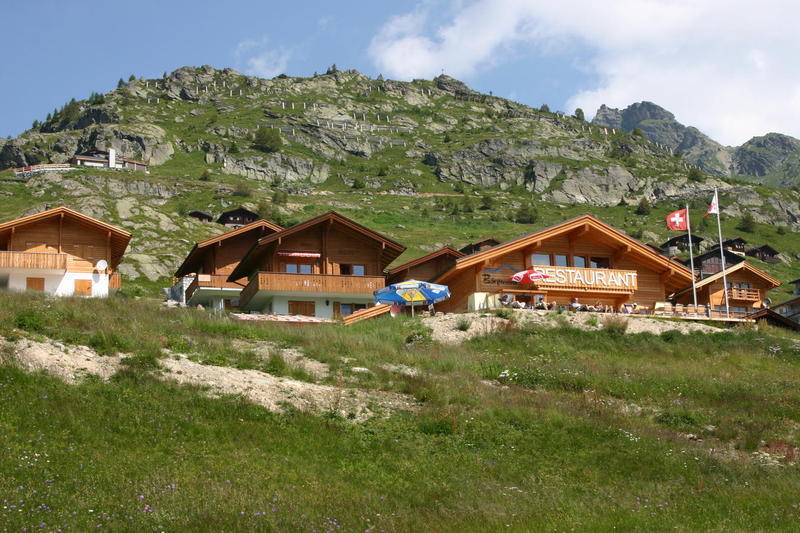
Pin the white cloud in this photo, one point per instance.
(257, 58)
(728, 67)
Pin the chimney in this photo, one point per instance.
(112, 158)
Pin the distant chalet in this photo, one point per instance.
(236, 218)
(107, 159)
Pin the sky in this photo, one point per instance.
(727, 67)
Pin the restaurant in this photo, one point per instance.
(581, 259)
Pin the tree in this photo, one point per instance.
(120, 83)
(545, 108)
(267, 140)
(694, 175)
(748, 223)
(234, 149)
(526, 214)
(205, 176)
(380, 77)
(131, 78)
(467, 205)
(332, 69)
(637, 133)
(644, 207)
(579, 114)
(358, 183)
(487, 202)
(243, 189)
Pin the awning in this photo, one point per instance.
(290, 253)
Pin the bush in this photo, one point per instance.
(205, 176)
(526, 214)
(243, 189)
(644, 207)
(463, 323)
(358, 183)
(694, 175)
(30, 320)
(267, 140)
(280, 197)
(615, 325)
(748, 223)
(507, 314)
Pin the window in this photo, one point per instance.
(349, 309)
(578, 261)
(352, 270)
(291, 269)
(540, 259)
(302, 268)
(358, 270)
(562, 260)
(305, 269)
(600, 262)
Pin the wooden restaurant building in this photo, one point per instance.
(583, 258)
(326, 267)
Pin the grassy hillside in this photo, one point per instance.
(522, 429)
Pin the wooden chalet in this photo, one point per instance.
(772, 318)
(710, 262)
(479, 246)
(202, 216)
(583, 258)
(61, 252)
(425, 268)
(747, 291)
(765, 252)
(736, 245)
(789, 309)
(107, 159)
(236, 218)
(325, 267)
(204, 273)
(681, 242)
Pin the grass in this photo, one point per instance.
(582, 429)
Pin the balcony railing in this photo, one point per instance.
(115, 281)
(215, 281)
(33, 260)
(750, 295)
(319, 283)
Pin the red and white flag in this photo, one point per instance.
(713, 209)
(677, 220)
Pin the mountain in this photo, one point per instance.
(428, 162)
(772, 159)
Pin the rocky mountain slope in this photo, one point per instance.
(405, 158)
(772, 159)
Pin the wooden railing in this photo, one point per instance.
(216, 281)
(321, 283)
(736, 293)
(33, 260)
(115, 281)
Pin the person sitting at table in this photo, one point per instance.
(575, 305)
(506, 299)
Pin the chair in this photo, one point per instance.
(678, 309)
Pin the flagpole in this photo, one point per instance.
(722, 257)
(691, 255)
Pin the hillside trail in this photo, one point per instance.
(73, 364)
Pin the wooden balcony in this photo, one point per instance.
(310, 283)
(748, 295)
(211, 281)
(33, 260)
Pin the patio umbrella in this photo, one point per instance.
(412, 292)
(528, 276)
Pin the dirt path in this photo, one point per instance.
(73, 363)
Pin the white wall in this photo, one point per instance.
(280, 304)
(59, 284)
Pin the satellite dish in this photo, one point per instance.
(101, 265)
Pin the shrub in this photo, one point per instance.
(644, 207)
(507, 314)
(748, 223)
(243, 189)
(615, 325)
(205, 176)
(526, 214)
(30, 320)
(694, 175)
(267, 140)
(359, 183)
(463, 323)
(280, 197)
(671, 335)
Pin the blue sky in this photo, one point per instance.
(734, 79)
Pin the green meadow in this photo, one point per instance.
(522, 429)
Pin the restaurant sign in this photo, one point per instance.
(570, 278)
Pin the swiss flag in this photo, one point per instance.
(677, 220)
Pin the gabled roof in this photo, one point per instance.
(735, 239)
(765, 247)
(680, 238)
(790, 301)
(119, 237)
(730, 257)
(248, 264)
(425, 258)
(225, 214)
(744, 265)
(190, 264)
(471, 247)
(581, 224)
(774, 319)
(794, 281)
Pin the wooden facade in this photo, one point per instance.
(63, 251)
(764, 252)
(211, 262)
(710, 262)
(583, 258)
(236, 218)
(425, 268)
(329, 260)
(747, 290)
